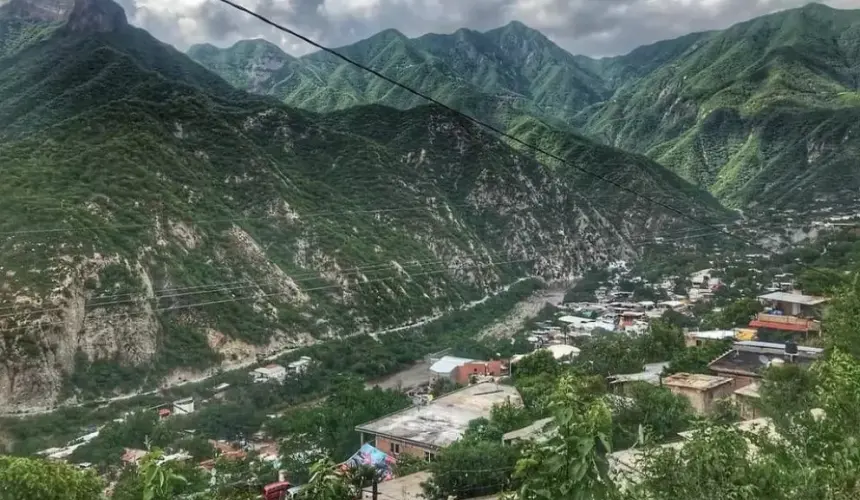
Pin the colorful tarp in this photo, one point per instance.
(368, 455)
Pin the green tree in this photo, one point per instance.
(572, 463)
(471, 468)
(661, 413)
(25, 478)
(160, 479)
(328, 483)
(662, 342)
(610, 354)
(842, 319)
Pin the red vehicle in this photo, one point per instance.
(277, 491)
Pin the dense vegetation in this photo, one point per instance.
(183, 223)
(766, 110)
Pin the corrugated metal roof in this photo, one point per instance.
(793, 298)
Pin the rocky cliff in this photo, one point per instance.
(159, 223)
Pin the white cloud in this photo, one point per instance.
(592, 27)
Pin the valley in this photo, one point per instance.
(231, 273)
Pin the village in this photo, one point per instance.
(784, 331)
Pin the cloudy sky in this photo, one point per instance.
(591, 27)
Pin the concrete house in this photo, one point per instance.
(701, 390)
(747, 360)
(269, 373)
(423, 430)
(446, 367)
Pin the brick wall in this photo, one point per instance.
(385, 445)
(463, 373)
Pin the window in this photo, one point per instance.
(428, 456)
(395, 448)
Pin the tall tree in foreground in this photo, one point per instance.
(572, 462)
(26, 478)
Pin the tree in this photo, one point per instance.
(25, 478)
(610, 354)
(696, 359)
(471, 468)
(662, 342)
(537, 363)
(572, 463)
(842, 319)
(714, 464)
(661, 413)
(327, 483)
(786, 391)
(159, 478)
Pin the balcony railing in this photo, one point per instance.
(808, 324)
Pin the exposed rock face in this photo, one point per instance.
(92, 16)
(88, 16)
(38, 10)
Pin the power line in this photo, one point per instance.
(309, 276)
(299, 290)
(495, 129)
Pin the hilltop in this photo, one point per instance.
(764, 113)
(159, 221)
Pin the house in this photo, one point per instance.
(790, 312)
(747, 360)
(692, 339)
(424, 429)
(651, 374)
(561, 351)
(183, 406)
(463, 374)
(701, 390)
(132, 455)
(530, 432)
(299, 366)
(402, 488)
(628, 319)
(219, 390)
(446, 367)
(747, 400)
(269, 373)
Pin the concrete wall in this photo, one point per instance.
(384, 444)
(747, 407)
(462, 374)
(703, 401)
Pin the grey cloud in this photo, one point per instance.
(592, 27)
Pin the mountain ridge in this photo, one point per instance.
(725, 109)
(231, 225)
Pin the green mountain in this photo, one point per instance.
(159, 222)
(511, 69)
(763, 113)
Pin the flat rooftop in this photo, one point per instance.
(401, 488)
(793, 298)
(443, 420)
(750, 391)
(695, 381)
(751, 358)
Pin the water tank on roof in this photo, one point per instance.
(791, 347)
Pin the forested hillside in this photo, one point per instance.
(764, 113)
(159, 221)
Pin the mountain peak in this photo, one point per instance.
(79, 15)
(96, 16)
(37, 10)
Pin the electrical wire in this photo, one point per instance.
(496, 130)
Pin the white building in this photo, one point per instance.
(183, 406)
(300, 366)
(269, 373)
(447, 365)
